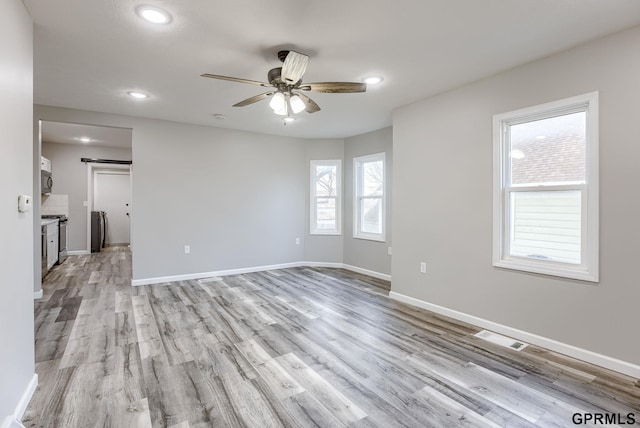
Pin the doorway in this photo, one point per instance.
(109, 192)
(112, 195)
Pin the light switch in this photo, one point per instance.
(24, 203)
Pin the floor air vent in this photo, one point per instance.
(498, 339)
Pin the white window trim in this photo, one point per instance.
(356, 197)
(588, 270)
(312, 197)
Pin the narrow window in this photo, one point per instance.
(369, 197)
(546, 189)
(326, 188)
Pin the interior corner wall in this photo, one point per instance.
(70, 178)
(361, 253)
(16, 178)
(443, 201)
(321, 248)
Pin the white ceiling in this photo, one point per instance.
(88, 54)
(71, 133)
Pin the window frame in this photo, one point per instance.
(358, 162)
(588, 269)
(313, 197)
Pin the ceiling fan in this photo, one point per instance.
(287, 89)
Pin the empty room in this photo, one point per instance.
(319, 214)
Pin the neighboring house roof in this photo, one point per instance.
(544, 157)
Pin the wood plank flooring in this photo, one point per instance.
(300, 347)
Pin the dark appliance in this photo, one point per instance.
(62, 236)
(98, 230)
(46, 182)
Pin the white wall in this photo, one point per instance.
(365, 254)
(442, 211)
(70, 178)
(16, 177)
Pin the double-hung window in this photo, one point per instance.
(546, 189)
(369, 197)
(326, 189)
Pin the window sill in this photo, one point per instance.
(370, 238)
(316, 233)
(548, 268)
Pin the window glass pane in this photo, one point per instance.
(548, 151)
(326, 214)
(371, 215)
(546, 225)
(326, 180)
(372, 178)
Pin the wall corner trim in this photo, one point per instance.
(605, 361)
(185, 277)
(11, 420)
(37, 294)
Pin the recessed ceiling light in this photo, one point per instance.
(153, 14)
(289, 119)
(138, 95)
(219, 116)
(373, 80)
(85, 139)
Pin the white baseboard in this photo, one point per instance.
(368, 272)
(12, 421)
(185, 277)
(334, 265)
(37, 294)
(78, 252)
(544, 342)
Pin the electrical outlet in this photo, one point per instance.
(187, 249)
(423, 267)
(297, 241)
(389, 250)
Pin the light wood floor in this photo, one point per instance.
(301, 347)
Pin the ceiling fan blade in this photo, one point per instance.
(334, 87)
(309, 105)
(254, 99)
(236, 79)
(295, 64)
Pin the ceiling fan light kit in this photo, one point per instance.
(286, 83)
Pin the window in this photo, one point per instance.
(325, 197)
(369, 197)
(546, 189)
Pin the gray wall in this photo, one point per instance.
(236, 198)
(322, 248)
(443, 201)
(16, 178)
(70, 178)
(370, 255)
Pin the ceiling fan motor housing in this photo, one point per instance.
(273, 76)
(282, 55)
